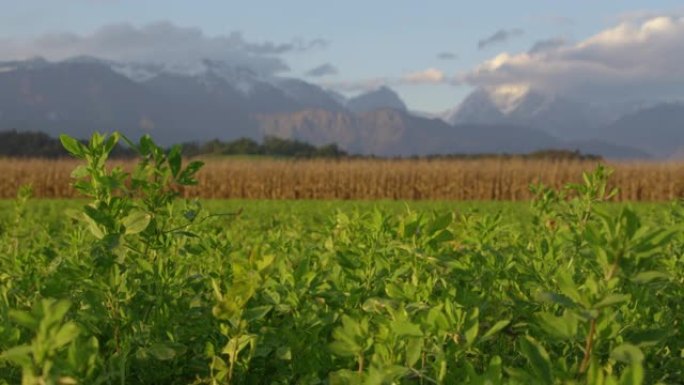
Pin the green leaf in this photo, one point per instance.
(345, 377)
(146, 145)
(348, 338)
(98, 216)
(73, 146)
(161, 351)
(381, 375)
(611, 299)
(394, 291)
(436, 319)
(649, 337)
(493, 374)
(628, 354)
(438, 224)
(256, 313)
(187, 176)
(175, 160)
(19, 355)
(414, 348)
(649, 276)
(80, 172)
(472, 326)
(344, 348)
(564, 327)
(144, 265)
(538, 358)
(284, 353)
(67, 333)
(495, 329)
(136, 222)
(111, 142)
(24, 319)
(406, 328)
(568, 288)
(237, 345)
(56, 309)
(633, 375)
(442, 236)
(94, 228)
(96, 140)
(558, 299)
(66, 380)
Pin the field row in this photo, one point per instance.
(495, 179)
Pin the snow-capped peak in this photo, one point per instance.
(242, 79)
(137, 72)
(508, 97)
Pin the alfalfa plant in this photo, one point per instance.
(132, 216)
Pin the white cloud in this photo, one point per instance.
(429, 76)
(363, 85)
(161, 43)
(634, 59)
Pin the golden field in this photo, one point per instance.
(474, 179)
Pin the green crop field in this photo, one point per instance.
(133, 285)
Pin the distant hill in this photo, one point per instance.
(658, 130)
(562, 117)
(381, 98)
(82, 95)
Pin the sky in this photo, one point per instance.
(433, 53)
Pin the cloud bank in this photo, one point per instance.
(159, 43)
(635, 59)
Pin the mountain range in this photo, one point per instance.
(215, 100)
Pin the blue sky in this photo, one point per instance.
(368, 41)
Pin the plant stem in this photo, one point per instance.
(360, 359)
(588, 347)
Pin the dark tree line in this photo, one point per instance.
(271, 146)
(40, 145)
(15, 144)
(29, 144)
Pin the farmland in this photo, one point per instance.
(371, 179)
(134, 284)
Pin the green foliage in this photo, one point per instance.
(54, 355)
(140, 287)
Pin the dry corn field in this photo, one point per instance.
(488, 179)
